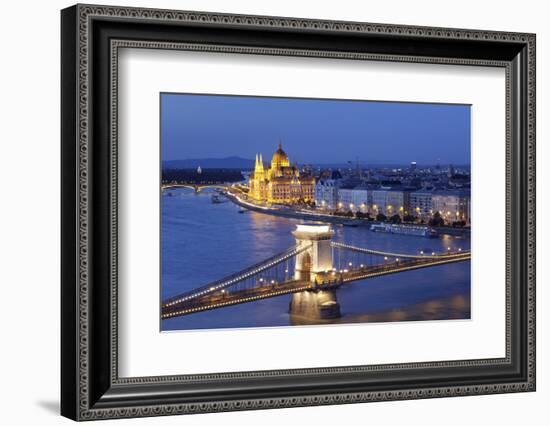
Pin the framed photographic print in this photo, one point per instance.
(263, 212)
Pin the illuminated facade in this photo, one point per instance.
(452, 205)
(280, 183)
(390, 202)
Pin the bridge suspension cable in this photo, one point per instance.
(237, 276)
(399, 255)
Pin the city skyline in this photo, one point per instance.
(371, 132)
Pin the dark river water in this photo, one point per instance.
(202, 242)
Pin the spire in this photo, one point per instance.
(256, 164)
(261, 162)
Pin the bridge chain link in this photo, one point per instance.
(399, 255)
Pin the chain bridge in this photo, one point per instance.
(311, 270)
(194, 186)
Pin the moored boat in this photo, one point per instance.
(414, 230)
(216, 199)
(352, 223)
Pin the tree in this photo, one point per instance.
(395, 219)
(361, 215)
(381, 217)
(437, 220)
(409, 218)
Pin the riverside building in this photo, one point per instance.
(281, 182)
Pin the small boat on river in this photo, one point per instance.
(352, 223)
(413, 230)
(217, 199)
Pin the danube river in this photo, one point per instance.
(202, 242)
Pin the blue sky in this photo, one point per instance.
(314, 130)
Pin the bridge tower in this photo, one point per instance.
(318, 258)
(316, 303)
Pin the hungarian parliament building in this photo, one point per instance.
(280, 183)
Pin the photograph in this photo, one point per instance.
(266, 208)
(281, 212)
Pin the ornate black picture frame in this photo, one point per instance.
(91, 387)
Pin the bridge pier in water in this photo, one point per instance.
(317, 303)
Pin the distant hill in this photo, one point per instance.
(210, 163)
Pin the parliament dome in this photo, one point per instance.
(279, 159)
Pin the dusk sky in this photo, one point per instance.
(314, 130)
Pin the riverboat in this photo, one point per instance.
(352, 223)
(216, 199)
(414, 230)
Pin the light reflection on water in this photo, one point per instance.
(202, 242)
